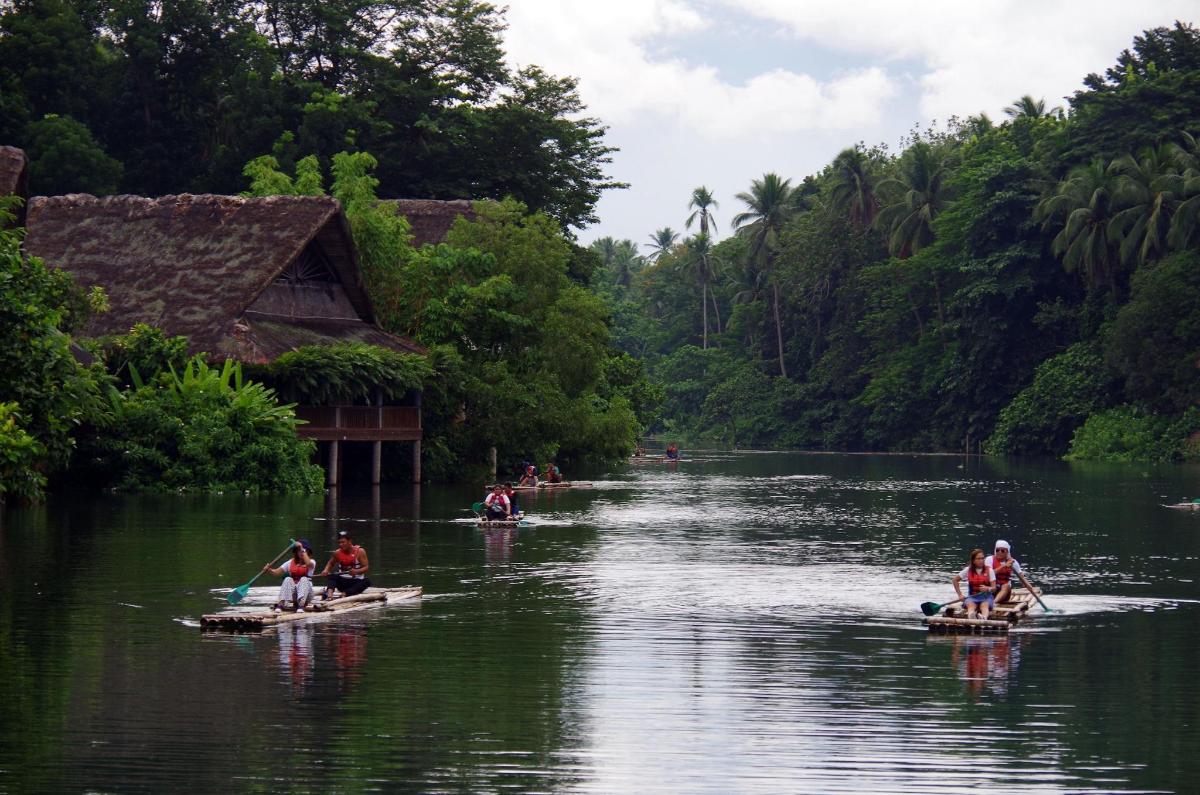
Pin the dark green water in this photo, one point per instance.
(735, 623)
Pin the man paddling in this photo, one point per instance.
(1005, 566)
(553, 473)
(530, 477)
(347, 568)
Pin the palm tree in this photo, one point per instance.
(918, 193)
(1185, 224)
(854, 183)
(619, 257)
(1029, 108)
(701, 200)
(1082, 207)
(1148, 189)
(662, 241)
(700, 260)
(767, 207)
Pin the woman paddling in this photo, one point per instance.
(981, 582)
(297, 577)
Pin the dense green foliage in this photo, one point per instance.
(988, 286)
(339, 374)
(201, 430)
(176, 97)
(45, 392)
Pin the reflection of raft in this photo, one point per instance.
(346, 604)
(953, 619)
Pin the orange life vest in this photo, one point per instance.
(977, 581)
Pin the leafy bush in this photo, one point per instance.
(144, 350)
(1125, 433)
(329, 374)
(1066, 389)
(20, 458)
(204, 430)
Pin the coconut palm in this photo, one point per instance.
(1029, 108)
(699, 259)
(662, 242)
(916, 195)
(701, 200)
(1081, 208)
(1185, 224)
(854, 182)
(768, 204)
(1148, 190)
(619, 257)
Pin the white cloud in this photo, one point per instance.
(605, 45)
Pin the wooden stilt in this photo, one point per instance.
(416, 461)
(334, 462)
(376, 463)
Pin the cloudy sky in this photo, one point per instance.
(718, 92)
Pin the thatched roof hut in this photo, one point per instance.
(247, 278)
(14, 175)
(431, 219)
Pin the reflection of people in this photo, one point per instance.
(350, 654)
(982, 662)
(295, 651)
(981, 581)
(1005, 566)
(297, 577)
(497, 506)
(498, 544)
(347, 568)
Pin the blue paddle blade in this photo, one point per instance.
(237, 594)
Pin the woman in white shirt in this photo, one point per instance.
(981, 583)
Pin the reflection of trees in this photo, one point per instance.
(468, 693)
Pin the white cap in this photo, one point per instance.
(1002, 545)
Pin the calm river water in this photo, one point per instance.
(735, 623)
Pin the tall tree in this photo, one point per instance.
(1148, 189)
(1081, 209)
(662, 242)
(854, 186)
(768, 204)
(916, 194)
(702, 199)
(699, 259)
(1029, 108)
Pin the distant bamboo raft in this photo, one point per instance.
(346, 604)
(953, 619)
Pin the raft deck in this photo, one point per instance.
(953, 620)
(238, 621)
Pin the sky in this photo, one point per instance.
(719, 92)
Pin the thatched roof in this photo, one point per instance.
(197, 265)
(431, 219)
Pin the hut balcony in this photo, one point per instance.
(360, 423)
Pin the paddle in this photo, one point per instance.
(1043, 604)
(239, 593)
(933, 608)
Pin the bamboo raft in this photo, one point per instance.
(1185, 506)
(953, 620)
(237, 621)
(566, 484)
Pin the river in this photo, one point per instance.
(734, 623)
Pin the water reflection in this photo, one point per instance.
(986, 665)
(296, 654)
(498, 545)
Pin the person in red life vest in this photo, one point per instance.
(1005, 565)
(981, 582)
(297, 577)
(530, 476)
(497, 506)
(347, 568)
(672, 452)
(514, 506)
(553, 474)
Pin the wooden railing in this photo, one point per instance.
(359, 423)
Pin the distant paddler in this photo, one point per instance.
(1005, 566)
(672, 452)
(297, 575)
(529, 478)
(347, 568)
(553, 473)
(513, 504)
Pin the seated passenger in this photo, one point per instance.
(981, 582)
(297, 577)
(347, 568)
(497, 506)
(529, 478)
(1005, 566)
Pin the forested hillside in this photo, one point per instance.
(1019, 285)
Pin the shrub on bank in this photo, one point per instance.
(202, 430)
(1125, 433)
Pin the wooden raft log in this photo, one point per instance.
(345, 604)
(966, 626)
